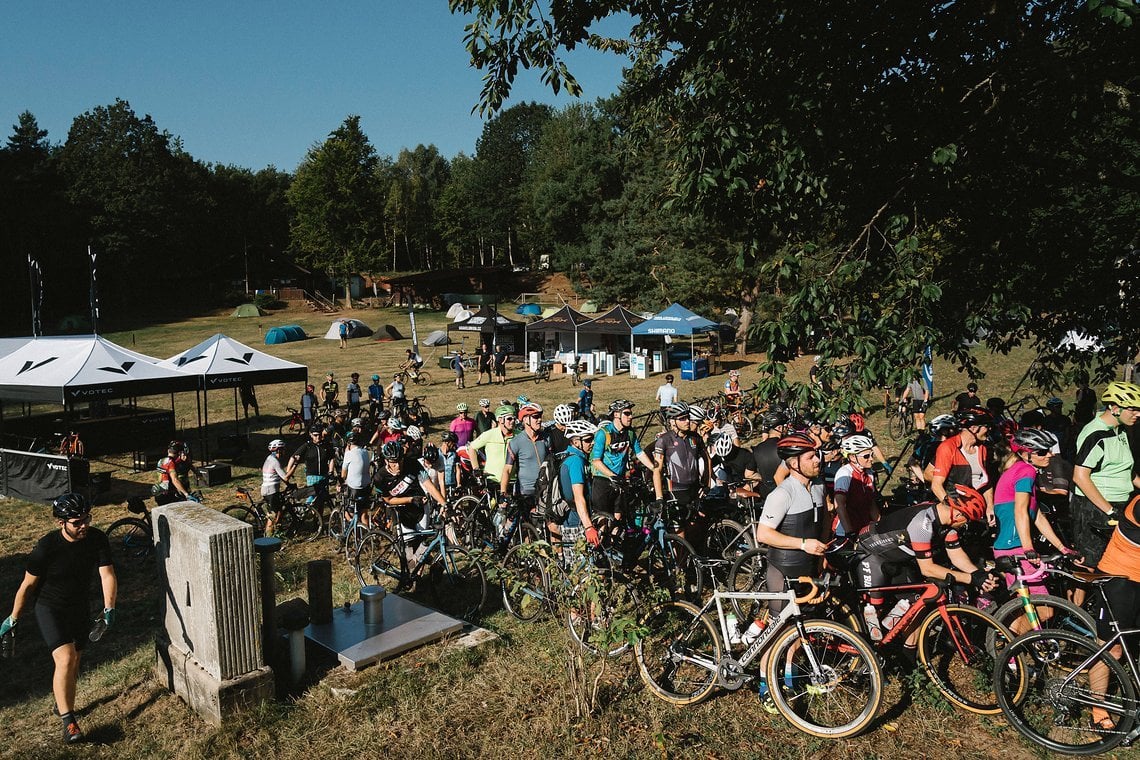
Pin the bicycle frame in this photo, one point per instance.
(905, 625)
(1112, 707)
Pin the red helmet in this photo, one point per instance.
(969, 502)
(794, 444)
(858, 422)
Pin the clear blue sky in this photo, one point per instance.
(254, 83)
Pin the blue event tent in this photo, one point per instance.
(676, 320)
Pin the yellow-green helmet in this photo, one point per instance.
(1125, 395)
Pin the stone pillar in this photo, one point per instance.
(209, 652)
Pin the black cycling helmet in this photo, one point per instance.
(841, 430)
(392, 451)
(794, 444)
(772, 419)
(70, 506)
(176, 446)
(620, 405)
(431, 452)
(974, 416)
(448, 437)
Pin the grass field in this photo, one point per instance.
(507, 698)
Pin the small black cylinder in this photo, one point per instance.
(265, 547)
(319, 580)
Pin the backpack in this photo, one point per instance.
(548, 491)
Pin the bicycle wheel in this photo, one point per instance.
(749, 573)
(725, 541)
(132, 545)
(601, 598)
(379, 561)
(1055, 710)
(300, 522)
(679, 654)
(1053, 613)
(457, 584)
(897, 425)
(247, 516)
(335, 526)
(743, 427)
(674, 567)
(524, 583)
(825, 681)
(477, 531)
(288, 428)
(423, 378)
(953, 647)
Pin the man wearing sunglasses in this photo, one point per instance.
(610, 458)
(855, 497)
(57, 577)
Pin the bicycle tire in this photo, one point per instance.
(248, 516)
(725, 541)
(379, 561)
(300, 522)
(1064, 616)
(896, 425)
(679, 654)
(749, 573)
(956, 655)
(132, 543)
(587, 624)
(477, 531)
(335, 528)
(458, 585)
(423, 378)
(525, 584)
(288, 428)
(674, 567)
(1052, 713)
(826, 680)
(743, 427)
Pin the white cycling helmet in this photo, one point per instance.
(395, 423)
(276, 444)
(697, 413)
(563, 414)
(580, 429)
(721, 445)
(414, 433)
(856, 444)
(357, 422)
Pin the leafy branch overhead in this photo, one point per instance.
(884, 176)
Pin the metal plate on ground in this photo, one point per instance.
(406, 625)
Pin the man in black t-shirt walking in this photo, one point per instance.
(59, 570)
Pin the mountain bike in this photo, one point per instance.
(416, 376)
(1062, 669)
(824, 678)
(542, 372)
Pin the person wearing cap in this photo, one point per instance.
(586, 409)
(463, 426)
(484, 418)
(309, 406)
(57, 579)
(396, 395)
(968, 399)
(330, 392)
(353, 394)
(733, 393)
(493, 444)
(376, 398)
(1103, 470)
(525, 453)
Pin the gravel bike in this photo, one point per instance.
(299, 520)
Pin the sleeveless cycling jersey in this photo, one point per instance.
(909, 532)
(790, 510)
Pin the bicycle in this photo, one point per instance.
(345, 526)
(542, 372)
(1055, 711)
(417, 376)
(293, 425)
(1041, 611)
(900, 422)
(132, 538)
(455, 581)
(823, 678)
(299, 518)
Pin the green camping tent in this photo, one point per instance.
(248, 310)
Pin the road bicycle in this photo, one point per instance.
(293, 425)
(300, 518)
(1069, 675)
(426, 562)
(823, 678)
(416, 376)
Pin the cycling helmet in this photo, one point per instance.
(975, 416)
(355, 374)
(485, 403)
(529, 410)
(276, 444)
(70, 506)
(1054, 403)
(375, 377)
(431, 452)
(1125, 395)
(841, 430)
(772, 419)
(504, 411)
(449, 437)
(620, 405)
(856, 444)
(944, 424)
(563, 413)
(414, 432)
(794, 444)
(858, 422)
(734, 373)
(522, 400)
(721, 445)
(969, 502)
(461, 406)
(1032, 439)
(580, 429)
(697, 413)
(392, 451)
(357, 422)
(678, 410)
(176, 446)
(355, 439)
(395, 423)
(972, 387)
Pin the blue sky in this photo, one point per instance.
(256, 83)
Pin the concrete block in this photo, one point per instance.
(215, 700)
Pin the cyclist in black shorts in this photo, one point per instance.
(58, 573)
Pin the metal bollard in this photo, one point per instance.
(373, 598)
(319, 580)
(265, 548)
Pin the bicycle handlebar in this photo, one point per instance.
(819, 589)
